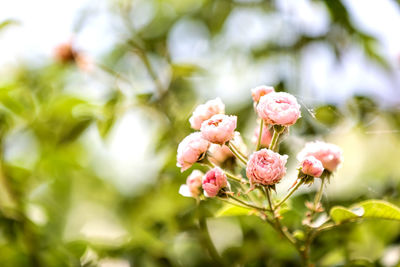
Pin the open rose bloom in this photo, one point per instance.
(278, 109)
(312, 166)
(259, 91)
(266, 167)
(214, 181)
(330, 155)
(205, 111)
(190, 150)
(219, 129)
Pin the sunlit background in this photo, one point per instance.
(95, 97)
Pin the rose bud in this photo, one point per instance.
(65, 53)
(330, 155)
(194, 182)
(190, 150)
(219, 129)
(265, 137)
(266, 167)
(278, 108)
(205, 111)
(260, 91)
(311, 166)
(214, 181)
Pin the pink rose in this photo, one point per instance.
(190, 150)
(194, 182)
(219, 129)
(265, 137)
(266, 167)
(278, 108)
(219, 154)
(260, 91)
(213, 181)
(311, 166)
(329, 154)
(205, 111)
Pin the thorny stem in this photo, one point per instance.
(237, 155)
(290, 193)
(259, 135)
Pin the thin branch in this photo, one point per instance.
(250, 205)
(237, 155)
(290, 193)
(260, 134)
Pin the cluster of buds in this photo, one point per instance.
(216, 140)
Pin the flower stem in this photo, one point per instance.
(283, 231)
(249, 204)
(318, 196)
(237, 155)
(211, 165)
(290, 193)
(275, 137)
(260, 134)
(238, 151)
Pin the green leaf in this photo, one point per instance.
(380, 209)
(373, 209)
(340, 214)
(232, 211)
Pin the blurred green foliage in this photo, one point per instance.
(57, 209)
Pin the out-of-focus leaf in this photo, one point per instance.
(328, 115)
(374, 209)
(75, 131)
(232, 211)
(8, 22)
(182, 70)
(362, 108)
(105, 123)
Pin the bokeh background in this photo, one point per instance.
(95, 97)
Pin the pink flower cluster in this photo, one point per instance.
(218, 140)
